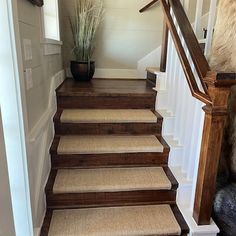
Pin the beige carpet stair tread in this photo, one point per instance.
(108, 116)
(110, 180)
(115, 221)
(95, 144)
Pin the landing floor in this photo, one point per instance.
(70, 87)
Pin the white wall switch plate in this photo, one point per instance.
(28, 78)
(27, 49)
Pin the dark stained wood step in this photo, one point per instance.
(100, 93)
(105, 102)
(180, 219)
(62, 128)
(151, 79)
(108, 128)
(105, 87)
(108, 199)
(108, 159)
(99, 199)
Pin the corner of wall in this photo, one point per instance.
(150, 60)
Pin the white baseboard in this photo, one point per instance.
(198, 230)
(111, 73)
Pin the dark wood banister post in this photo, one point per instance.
(164, 47)
(215, 117)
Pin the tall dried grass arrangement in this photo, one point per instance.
(84, 25)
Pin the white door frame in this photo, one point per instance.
(13, 106)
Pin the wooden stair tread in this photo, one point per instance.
(116, 221)
(153, 70)
(98, 160)
(125, 188)
(105, 87)
(97, 144)
(110, 179)
(108, 116)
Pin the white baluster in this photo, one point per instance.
(179, 88)
(186, 4)
(171, 94)
(187, 131)
(196, 138)
(195, 164)
(198, 17)
(210, 27)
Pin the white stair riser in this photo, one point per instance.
(184, 193)
(161, 81)
(168, 126)
(162, 101)
(175, 156)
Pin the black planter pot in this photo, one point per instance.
(82, 71)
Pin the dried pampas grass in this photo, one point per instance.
(84, 25)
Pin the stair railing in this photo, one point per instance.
(210, 88)
(181, 53)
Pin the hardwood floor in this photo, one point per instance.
(107, 87)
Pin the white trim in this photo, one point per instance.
(198, 18)
(40, 140)
(58, 25)
(51, 46)
(56, 80)
(112, 73)
(198, 230)
(52, 41)
(52, 49)
(210, 26)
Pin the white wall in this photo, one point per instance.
(6, 216)
(46, 62)
(125, 35)
(43, 66)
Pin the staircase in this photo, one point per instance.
(110, 172)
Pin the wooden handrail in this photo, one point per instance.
(204, 97)
(164, 47)
(148, 6)
(190, 38)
